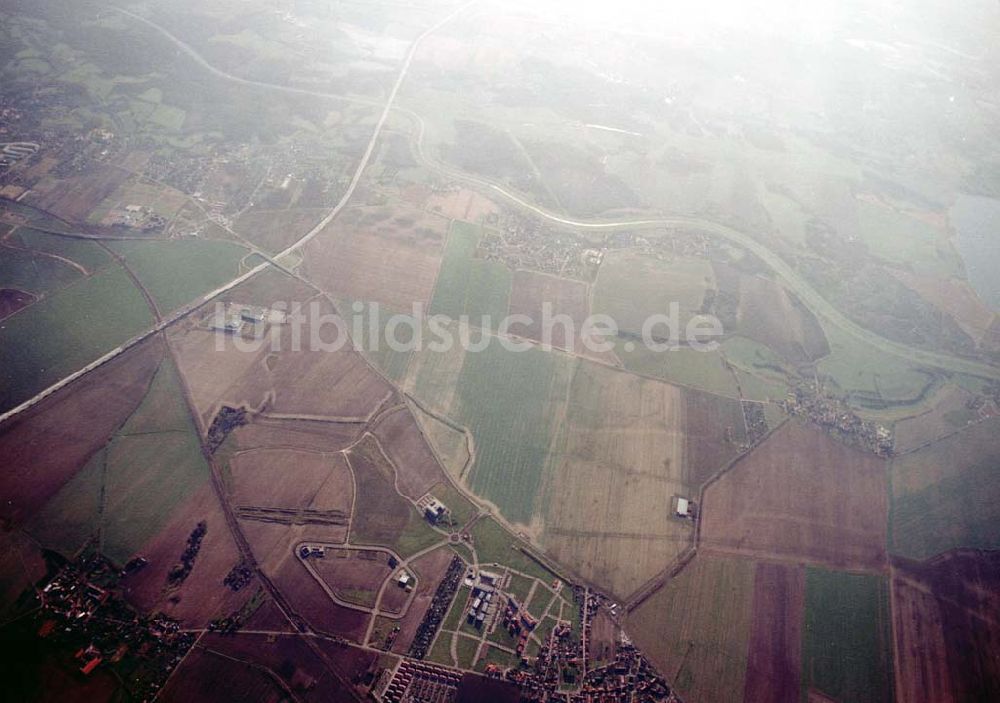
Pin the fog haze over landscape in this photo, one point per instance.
(445, 351)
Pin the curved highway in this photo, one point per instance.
(809, 296)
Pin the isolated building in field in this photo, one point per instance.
(683, 508)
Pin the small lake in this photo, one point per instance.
(977, 221)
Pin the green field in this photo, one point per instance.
(454, 617)
(72, 516)
(502, 395)
(540, 600)
(704, 370)
(519, 588)
(492, 655)
(381, 515)
(868, 376)
(441, 651)
(846, 645)
(66, 331)
(448, 442)
(154, 464)
(494, 545)
(946, 495)
(470, 286)
(632, 287)
(86, 253)
(458, 505)
(145, 472)
(375, 348)
(177, 272)
(502, 637)
(466, 648)
(34, 274)
(706, 610)
(907, 241)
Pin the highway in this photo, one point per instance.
(305, 239)
(809, 296)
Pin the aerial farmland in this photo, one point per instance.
(455, 351)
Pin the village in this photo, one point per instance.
(82, 615)
(809, 400)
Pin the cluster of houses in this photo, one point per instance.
(519, 624)
(484, 596)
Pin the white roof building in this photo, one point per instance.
(683, 507)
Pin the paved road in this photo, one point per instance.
(809, 296)
(305, 239)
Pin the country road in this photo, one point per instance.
(305, 239)
(809, 296)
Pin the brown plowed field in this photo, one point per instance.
(202, 596)
(463, 204)
(417, 469)
(268, 617)
(378, 254)
(531, 290)
(603, 639)
(21, 567)
(620, 460)
(12, 300)
(275, 230)
(273, 546)
(214, 376)
(324, 383)
(713, 429)
(312, 678)
(804, 496)
(775, 652)
(947, 628)
(354, 575)
(264, 432)
(207, 677)
(43, 448)
(73, 198)
(291, 478)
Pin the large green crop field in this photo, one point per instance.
(29, 272)
(494, 545)
(704, 370)
(504, 396)
(846, 645)
(129, 489)
(67, 330)
(177, 272)
(470, 286)
(88, 254)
